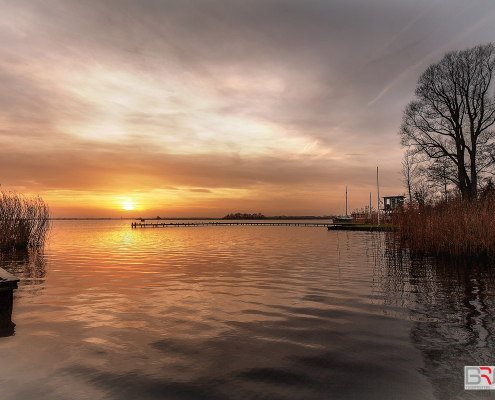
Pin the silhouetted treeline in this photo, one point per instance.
(244, 216)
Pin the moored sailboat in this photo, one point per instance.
(341, 219)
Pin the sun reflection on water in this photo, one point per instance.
(225, 312)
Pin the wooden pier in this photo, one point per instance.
(8, 283)
(362, 228)
(224, 223)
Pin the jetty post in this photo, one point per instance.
(378, 195)
(369, 210)
(8, 283)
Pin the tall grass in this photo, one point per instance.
(457, 228)
(24, 222)
(362, 216)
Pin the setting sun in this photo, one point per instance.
(128, 206)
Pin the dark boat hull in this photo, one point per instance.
(342, 220)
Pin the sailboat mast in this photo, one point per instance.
(346, 201)
(378, 190)
(369, 210)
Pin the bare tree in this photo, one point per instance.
(423, 192)
(453, 113)
(441, 174)
(410, 172)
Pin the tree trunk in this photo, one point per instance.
(473, 192)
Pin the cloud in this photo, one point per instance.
(200, 190)
(104, 96)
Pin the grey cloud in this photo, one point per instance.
(346, 70)
(333, 54)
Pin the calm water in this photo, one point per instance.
(106, 312)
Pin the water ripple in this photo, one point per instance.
(109, 312)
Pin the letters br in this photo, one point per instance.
(479, 378)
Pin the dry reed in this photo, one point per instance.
(458, 229)
(24, 222)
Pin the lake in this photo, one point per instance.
(240, 312)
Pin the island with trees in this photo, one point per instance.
(244, 216)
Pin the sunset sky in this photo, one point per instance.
(206, 107)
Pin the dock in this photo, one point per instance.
(362, 228)
(224, 223)
(329, 225)
(8, 283)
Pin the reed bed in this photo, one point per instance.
(457, 228)
(24, 221)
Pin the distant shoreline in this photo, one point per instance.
(188, 219)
